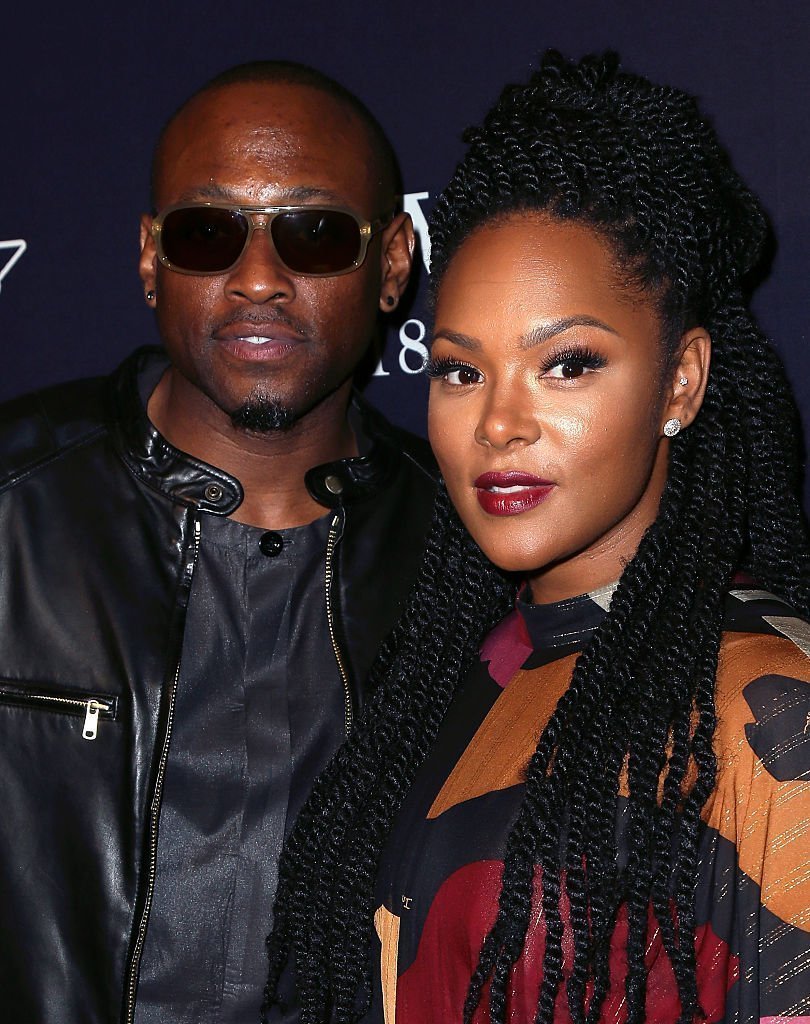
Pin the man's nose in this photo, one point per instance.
(260, 276)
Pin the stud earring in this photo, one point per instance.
(150, 295)
(390, 300)
(683, 381)
(672, 427)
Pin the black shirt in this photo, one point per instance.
(259, 711)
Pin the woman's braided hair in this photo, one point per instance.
(640, 165)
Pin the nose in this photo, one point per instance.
(260, 276)
(508, 419)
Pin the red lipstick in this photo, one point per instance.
(510, 493)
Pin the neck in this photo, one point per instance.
(270, 466)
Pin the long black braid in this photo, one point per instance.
(331, 856)
(641, 166)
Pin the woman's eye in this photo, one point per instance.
(569, 366)
(462, 375)
(451, 372)
(568, 369)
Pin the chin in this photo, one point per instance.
(509, 560)
(264, 415)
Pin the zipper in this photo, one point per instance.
(335, 531)
(92, 707)
(154, 814)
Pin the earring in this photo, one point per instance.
(683, 381)
(150, 295)
(390, 300)
(672, 427)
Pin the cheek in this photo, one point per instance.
(448, 432)
(611, 461)
(435, 424)
(183, 300)
(604, 430)
(574, 430)
(342, 310)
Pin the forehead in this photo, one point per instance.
(516, 274)
(522, 246)
(526, 258)
(266, 142)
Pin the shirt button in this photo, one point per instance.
(271, 543)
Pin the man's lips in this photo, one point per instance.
(258, 341)
(511, 492)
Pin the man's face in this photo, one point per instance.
(258, 334)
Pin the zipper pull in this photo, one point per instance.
(91, 720)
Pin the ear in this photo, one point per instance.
(147, 266)
(396, 255)
(687, 385)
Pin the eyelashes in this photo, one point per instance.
(444, 366)
(572, 362)
(578, 359)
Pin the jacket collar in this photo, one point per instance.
(189, 481)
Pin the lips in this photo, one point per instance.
(258, 342)
(511, 492)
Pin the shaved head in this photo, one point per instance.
(380, 152)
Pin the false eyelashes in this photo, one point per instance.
(581, 357)
(441, 367)
(576, 358)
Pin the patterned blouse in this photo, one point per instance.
(440, 874)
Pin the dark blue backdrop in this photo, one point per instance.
(87, 87)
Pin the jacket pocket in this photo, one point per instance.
(90, 707)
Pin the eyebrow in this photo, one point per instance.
(535, 337)
(286, 196)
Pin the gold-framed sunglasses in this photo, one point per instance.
(313, 241)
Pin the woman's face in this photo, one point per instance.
(548, 396)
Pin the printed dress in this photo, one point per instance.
(440, 873)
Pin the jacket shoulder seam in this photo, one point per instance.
(425, 470)
(34, 467)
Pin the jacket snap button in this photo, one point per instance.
(333, 484)
(271, 543)
(213, 492)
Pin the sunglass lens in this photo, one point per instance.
(203, 239)
(316, 241)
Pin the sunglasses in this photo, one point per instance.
(314, 241)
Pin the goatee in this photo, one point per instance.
(262, 415)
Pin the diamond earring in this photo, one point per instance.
(672, 427)
(683, 381)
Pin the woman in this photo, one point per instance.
(604, 814)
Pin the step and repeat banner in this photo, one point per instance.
(86, 89)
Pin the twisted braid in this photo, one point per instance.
(331, 856)
(633, 733)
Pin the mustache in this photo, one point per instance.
(261, 318)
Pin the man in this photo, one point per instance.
(199, 559)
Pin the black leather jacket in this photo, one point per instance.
(99, 538)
